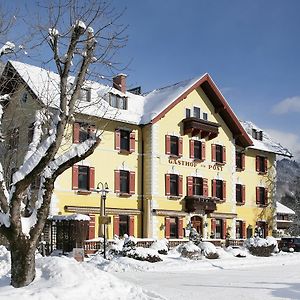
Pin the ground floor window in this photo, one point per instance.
(219, 229)
(123, 225)
(173, 228)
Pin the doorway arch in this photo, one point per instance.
(197, 224)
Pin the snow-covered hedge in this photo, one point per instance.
(144, 254)
(190, 250)
(261, 247)
(161, 246)
(209, 250)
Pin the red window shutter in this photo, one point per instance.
(266, 164)
(168, 145)
(214, 187)
(213, 152)
(116, 225)
(266, 196)
(243, 229)
(167, 227)
(205, 187)
(192, 150)
(257, 164)
(180, 185)
(224, 229)
(243, 161)
(92, 179)
(180, 228)
(213, 225)
(117, 181)
(243, 194)
(92, 226)
(203, 150)
(132, 183)
(76, 129)
(180, 146)
(189, 181)
(117, 140)
(257, 195)
(75, 177)
(131, 225)
(224, 154)
(132, 141)
(224, 190)
(167, 179)
(92, 131)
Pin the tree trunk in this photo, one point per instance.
(22, 263)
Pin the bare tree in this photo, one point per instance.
(83, 36)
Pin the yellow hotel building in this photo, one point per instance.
(174, 158)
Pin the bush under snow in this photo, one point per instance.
(261, 247)
(209, 250)
(161, 246)
(190, 250)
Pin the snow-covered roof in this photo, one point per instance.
(282, 209)
(141, 109)
(267, 143)
(73, 217)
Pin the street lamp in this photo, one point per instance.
(104, 190)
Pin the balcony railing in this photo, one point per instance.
(203, 128)
(200, 203)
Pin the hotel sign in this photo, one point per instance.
(185, 163)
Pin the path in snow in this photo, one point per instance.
(265, 282)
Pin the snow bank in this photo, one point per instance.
(64, 278)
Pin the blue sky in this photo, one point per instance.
(251, 49)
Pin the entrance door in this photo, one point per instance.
(197, 224)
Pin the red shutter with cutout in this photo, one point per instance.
(214, 187)
(180, 228)
(180, 146)
(117, 181)
(91, 226)
(132, 183)
(266, 164)
(180, 185)
(167, 227)
(224, 190)
(132, 141)
(189, 181)
(76, 130)
(205, 187)
(168, 144)
(116, 225)
(213, 152)
(117, 139)
(167, 179)
(243, 229)
(266, 196)
(243, 161)
(224, 154)
(213, 226)
(224, 228)
(243, 194)
(257, 195)
(203, 150)
(92, 178)
(192, 149)
(131, 225)
(257, 164)
(75, 177)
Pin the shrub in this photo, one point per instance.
(260, 247)
(144, 254)
(209, 250)
(190, 250)
(161, 246)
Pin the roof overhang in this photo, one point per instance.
(221, 107)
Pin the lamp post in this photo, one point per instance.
(104, 190)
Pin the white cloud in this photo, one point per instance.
(287, 140)
(287, 105)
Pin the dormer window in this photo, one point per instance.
(118, 102)
(85, 94)
(258, 135)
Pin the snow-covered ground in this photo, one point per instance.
(229, 277)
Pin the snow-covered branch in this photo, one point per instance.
(8, 47)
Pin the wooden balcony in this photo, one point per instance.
(199, 203)
(203, 128)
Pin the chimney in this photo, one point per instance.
(119, 82)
